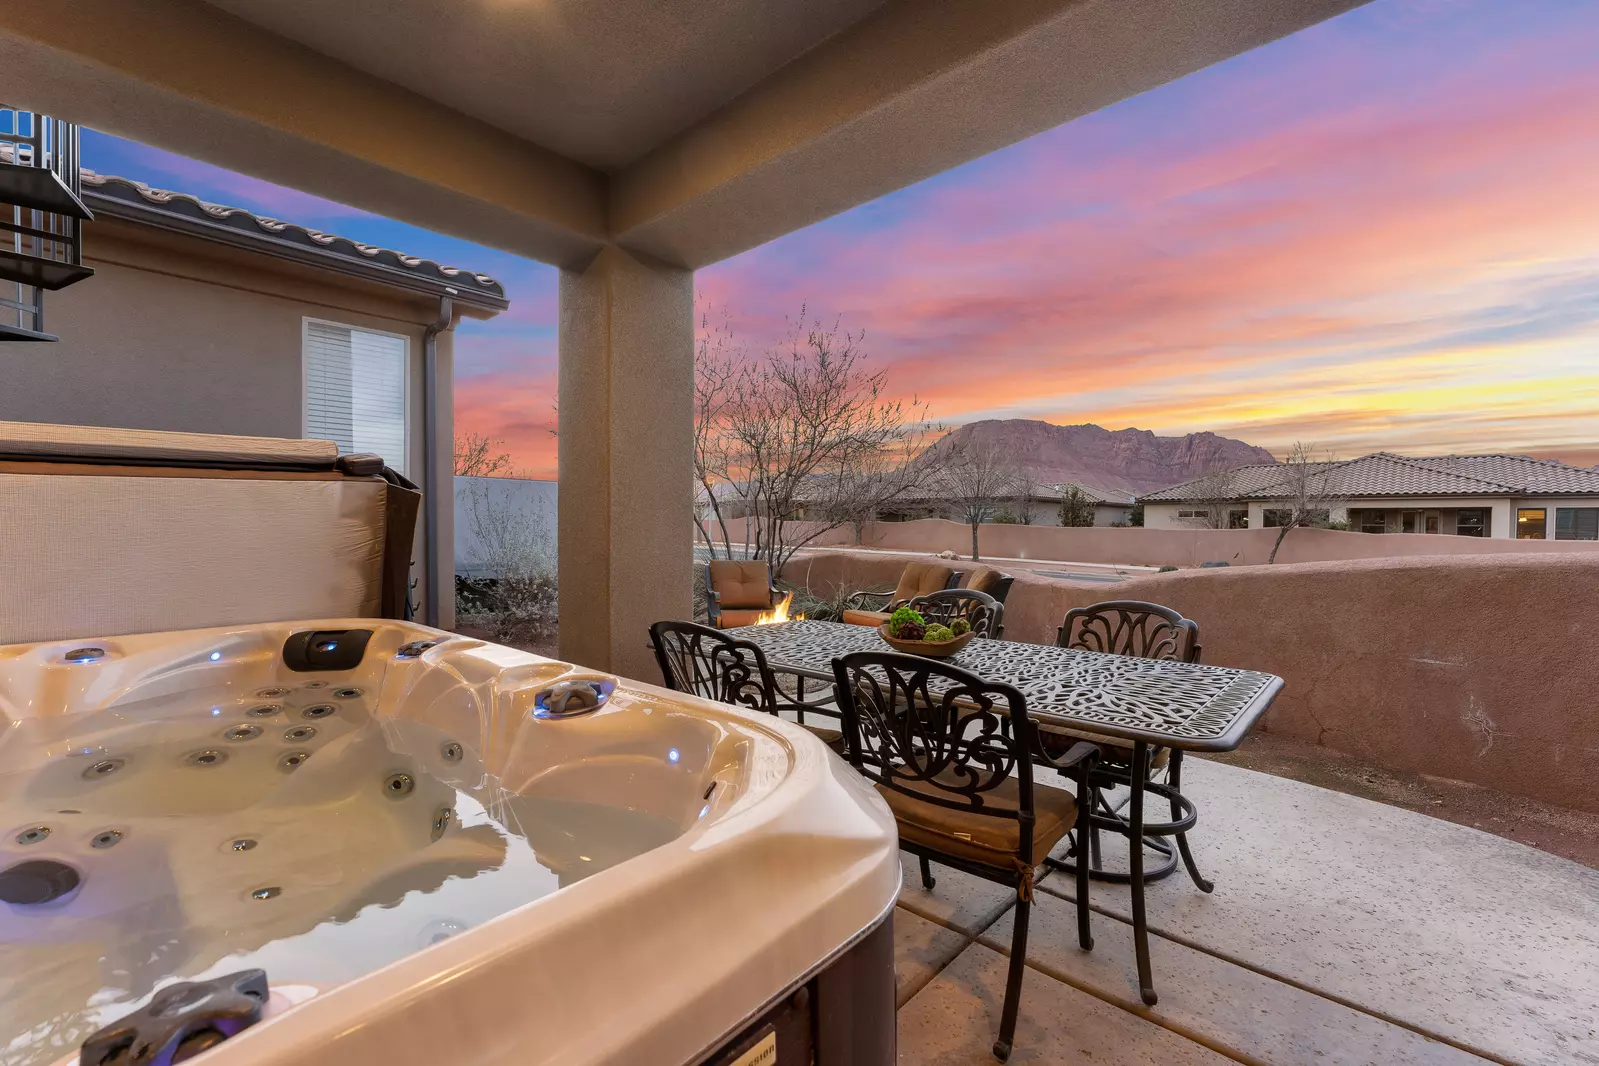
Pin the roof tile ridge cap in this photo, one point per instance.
(1503, 486)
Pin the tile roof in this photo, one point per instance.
(1386, 474)
(1112, 499)
(126, 198)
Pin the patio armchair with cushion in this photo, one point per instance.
(952, 755)
(737, 592)
(982, 612)
(1150, 631)
(917, 579)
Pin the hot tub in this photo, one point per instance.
(438, 851)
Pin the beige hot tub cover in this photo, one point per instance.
(114, 531)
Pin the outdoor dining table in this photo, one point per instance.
(1145, 703)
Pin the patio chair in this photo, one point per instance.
(987, 579)
(737, 592)
(952, 755)
(983, 612)
(1150, 631)
(917, 579)
(706, 662)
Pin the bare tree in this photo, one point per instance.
(515, 601)
(807, 427)
(1310, 491)
(716, 363)
(977, 478)
(477, 455)
(1215, 495)
(1076, 507)
(1026, 489)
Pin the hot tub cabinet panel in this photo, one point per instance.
(431, 863)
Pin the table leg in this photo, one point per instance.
(1135, 863)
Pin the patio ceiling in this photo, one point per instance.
(687, 130)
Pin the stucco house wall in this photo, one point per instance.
(175, 332)
(1502, 520)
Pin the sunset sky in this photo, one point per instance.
(1382, 232)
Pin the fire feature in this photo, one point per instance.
(779, 613)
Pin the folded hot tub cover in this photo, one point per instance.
(114, 531)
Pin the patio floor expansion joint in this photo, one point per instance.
(1262, 971)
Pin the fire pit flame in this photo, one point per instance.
(778, 613)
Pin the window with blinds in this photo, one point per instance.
(355, 390)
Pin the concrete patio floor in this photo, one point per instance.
(1342, 931)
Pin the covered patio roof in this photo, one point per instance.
(686, 131)
(628, 142)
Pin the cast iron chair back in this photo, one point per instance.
(907, 719)
(983, 612)
(707, 662)
(1131, 627)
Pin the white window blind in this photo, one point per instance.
(355, 390)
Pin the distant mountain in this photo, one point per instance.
(1123, 460)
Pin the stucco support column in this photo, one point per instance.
(626, 451)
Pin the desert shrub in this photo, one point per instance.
(831, 608)
(1166, 569)
(516, 603)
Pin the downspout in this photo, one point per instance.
(431, 500)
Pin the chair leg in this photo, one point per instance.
(1174, 777)
(1085, 814)
(1013, 983)
(1135, 862)
(927, 874)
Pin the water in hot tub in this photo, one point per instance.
(289, 829)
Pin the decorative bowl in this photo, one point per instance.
(939, 650)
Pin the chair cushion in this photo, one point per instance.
(919, 578)
(983, 579)
(742, 584)
(740, 617)
(865, 618)
(976, 837)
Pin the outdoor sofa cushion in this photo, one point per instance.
(865, 618)
(741, 584)
(983, 579)
(919, 578)
(981, 838)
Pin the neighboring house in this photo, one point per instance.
(1464, 495)
(1040, 507)
(212, 319)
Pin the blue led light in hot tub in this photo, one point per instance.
(84, 655)
(215, 656)
(673, 755)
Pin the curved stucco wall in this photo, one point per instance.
(1173, 547)
(1481, 668)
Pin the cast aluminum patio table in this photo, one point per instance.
(1145, 702)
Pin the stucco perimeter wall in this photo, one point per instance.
(1168, 547)
(1481, 668)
